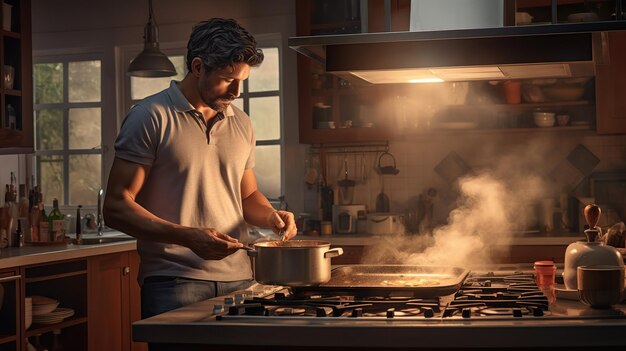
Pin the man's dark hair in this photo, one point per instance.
(221, 43)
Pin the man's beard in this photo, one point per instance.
(219, 104)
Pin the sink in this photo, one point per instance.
(93, 240)
(106, 238)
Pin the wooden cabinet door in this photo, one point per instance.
(108, 306)
(135, 298)
(611, 84)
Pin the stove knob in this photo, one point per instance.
(228, 301)
(428, 312)
(217, 309)
(537, 312)
(357, 312)
(466, 313)
(517, 312)
(487, 283)
(239, 298)
(391, 312)
(279, 296)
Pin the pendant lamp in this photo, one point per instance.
(151, 62)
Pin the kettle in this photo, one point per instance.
(589, 253)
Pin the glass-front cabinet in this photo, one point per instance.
(16, 126)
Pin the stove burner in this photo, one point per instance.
(503, 311)
(289, 311)
(407, 312)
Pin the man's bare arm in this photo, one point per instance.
(122, 212)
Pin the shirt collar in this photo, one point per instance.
(181, 104)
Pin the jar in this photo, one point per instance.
(545, 273)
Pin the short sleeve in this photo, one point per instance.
(138, 138)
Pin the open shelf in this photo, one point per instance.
(55, 276)
(7, 338)
(37, 329)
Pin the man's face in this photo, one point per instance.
(220, 87)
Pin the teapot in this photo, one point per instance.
(589, 253)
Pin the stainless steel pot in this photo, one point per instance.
(293, 262)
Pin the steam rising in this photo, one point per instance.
(491, 206)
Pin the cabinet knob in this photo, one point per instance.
(126, 270)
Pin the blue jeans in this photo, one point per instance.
(162, 294)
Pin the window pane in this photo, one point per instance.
(51, 168)
(49, 126)
(239, 103)
(84, 81)
(84, 126)
(84, 179)
(265, 114)
(48, 80)
(267, 170)
(141, 87)
(266, 76)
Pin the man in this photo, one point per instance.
(182, 181)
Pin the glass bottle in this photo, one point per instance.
(44, 230)
(56, 221)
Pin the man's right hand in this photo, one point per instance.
(210, 244)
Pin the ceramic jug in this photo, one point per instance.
(589, 253)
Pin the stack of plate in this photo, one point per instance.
(45, 310)
(56, 316)
(43, 305)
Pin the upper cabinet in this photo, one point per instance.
(16, 88)
(337, 108)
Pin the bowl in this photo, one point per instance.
(563, 92)
(544, 119)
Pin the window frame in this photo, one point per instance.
(65, 58)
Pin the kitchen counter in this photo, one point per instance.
(195, 326)
(29, 255)
(371, 239)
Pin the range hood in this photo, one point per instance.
(519, 52)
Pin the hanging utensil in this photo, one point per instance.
(388, 169)
(346, 185)
(382, 200)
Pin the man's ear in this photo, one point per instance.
(197, 66)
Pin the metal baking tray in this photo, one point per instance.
(391, 280)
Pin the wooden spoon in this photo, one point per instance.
(592, 215)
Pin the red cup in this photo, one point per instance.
(545, 273)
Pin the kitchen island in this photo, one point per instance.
(567, 325)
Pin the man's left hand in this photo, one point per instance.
(284, 220)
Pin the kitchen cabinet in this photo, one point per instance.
(562, 11)
(16, 88)
(333, 110)
(343, 113)
(10, 314)
(611, 84)
(65, 282)
(114, 301)
(102, 290)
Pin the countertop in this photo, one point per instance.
(370, 239)
(194, 327)
(29, 254)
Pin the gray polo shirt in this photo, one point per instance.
(194, 180)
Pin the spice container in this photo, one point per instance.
(545, 273)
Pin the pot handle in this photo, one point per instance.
(251, 252)
(333, 252)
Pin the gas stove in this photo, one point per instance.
(491, 310)
(483, 296)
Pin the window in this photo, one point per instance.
(260, 99)
(68, 124)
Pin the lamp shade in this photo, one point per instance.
(151, 62)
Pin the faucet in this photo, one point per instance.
(99, 221)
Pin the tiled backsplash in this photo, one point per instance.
(562, 161)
